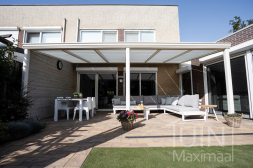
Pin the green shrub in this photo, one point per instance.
(35, 125)
(19, 130)
(4, 134)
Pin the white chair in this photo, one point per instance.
(93, 106)
(87, 106)
(65, 105)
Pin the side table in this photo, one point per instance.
(210, 106)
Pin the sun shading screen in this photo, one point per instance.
(190, 55)
(89, 55)
(140, 55)
(114, 56)
(61, 55)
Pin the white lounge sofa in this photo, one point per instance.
(187, 105)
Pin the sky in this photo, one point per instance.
(199, 20)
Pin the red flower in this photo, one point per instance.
(129, 113)
(133, 112)
(136, 114)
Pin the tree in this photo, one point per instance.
(239, 24)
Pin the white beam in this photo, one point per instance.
(229, 86)
(249, 71)
(205, 85)
(127, 78)
(25, 71)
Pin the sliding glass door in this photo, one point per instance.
(106, 90)
(217, 86)
(101, 86)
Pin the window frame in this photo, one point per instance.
(139, 33)
(98, 30)
(41, 30)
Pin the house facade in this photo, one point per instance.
(105, 50)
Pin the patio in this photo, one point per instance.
(68, 143)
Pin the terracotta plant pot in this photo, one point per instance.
(234, 121)
(127, 125)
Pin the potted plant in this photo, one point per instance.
(234, 120)
(127, 118)
(80, 95)
(75, 94)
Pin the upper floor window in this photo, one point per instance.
(99, 36)
(139, 36)
(42, 35)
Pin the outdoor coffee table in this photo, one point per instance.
(145, 111)
(210, 106)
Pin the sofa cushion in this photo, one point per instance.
(116, 101)
(124, 102)
(132, 102)
(181, 101)
(163, 101)
(159, 98)
(174, 101)
(122, 98)
(137, 99)
(195, 101)
(182, 108)
(169, 100)
(150, 100)
(188, 101)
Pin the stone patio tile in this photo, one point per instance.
(71, 148)
(156, 144)
(57, 154)
(35, 161)
(138, 145)
(11, 161)
(120, 145)
(15, 166)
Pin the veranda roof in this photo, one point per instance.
(140, 52)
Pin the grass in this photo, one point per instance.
(163, 157)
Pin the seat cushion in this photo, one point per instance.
(188, 101)
(151, 106)
(150, 100)
(175, 101)
(182, 108)
(163, 101)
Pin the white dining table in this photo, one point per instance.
(80, 100)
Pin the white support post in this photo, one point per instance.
(229, 86)
(180, 84)
(96, 89)
(127, 78)
(25, 71)
(249, 71)
(205, 85)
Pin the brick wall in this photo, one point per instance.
(198, 80)
(47, 83)
(20, 38)
(239, 37)
(120, 35)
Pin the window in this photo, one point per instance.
(139, 36)
(142, 84)
(217, 86)
(43, 37)
(98, 36)
(186, 83)
(42, 34)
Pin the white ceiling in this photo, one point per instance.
(118, 55)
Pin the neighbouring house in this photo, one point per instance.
(107, 50)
